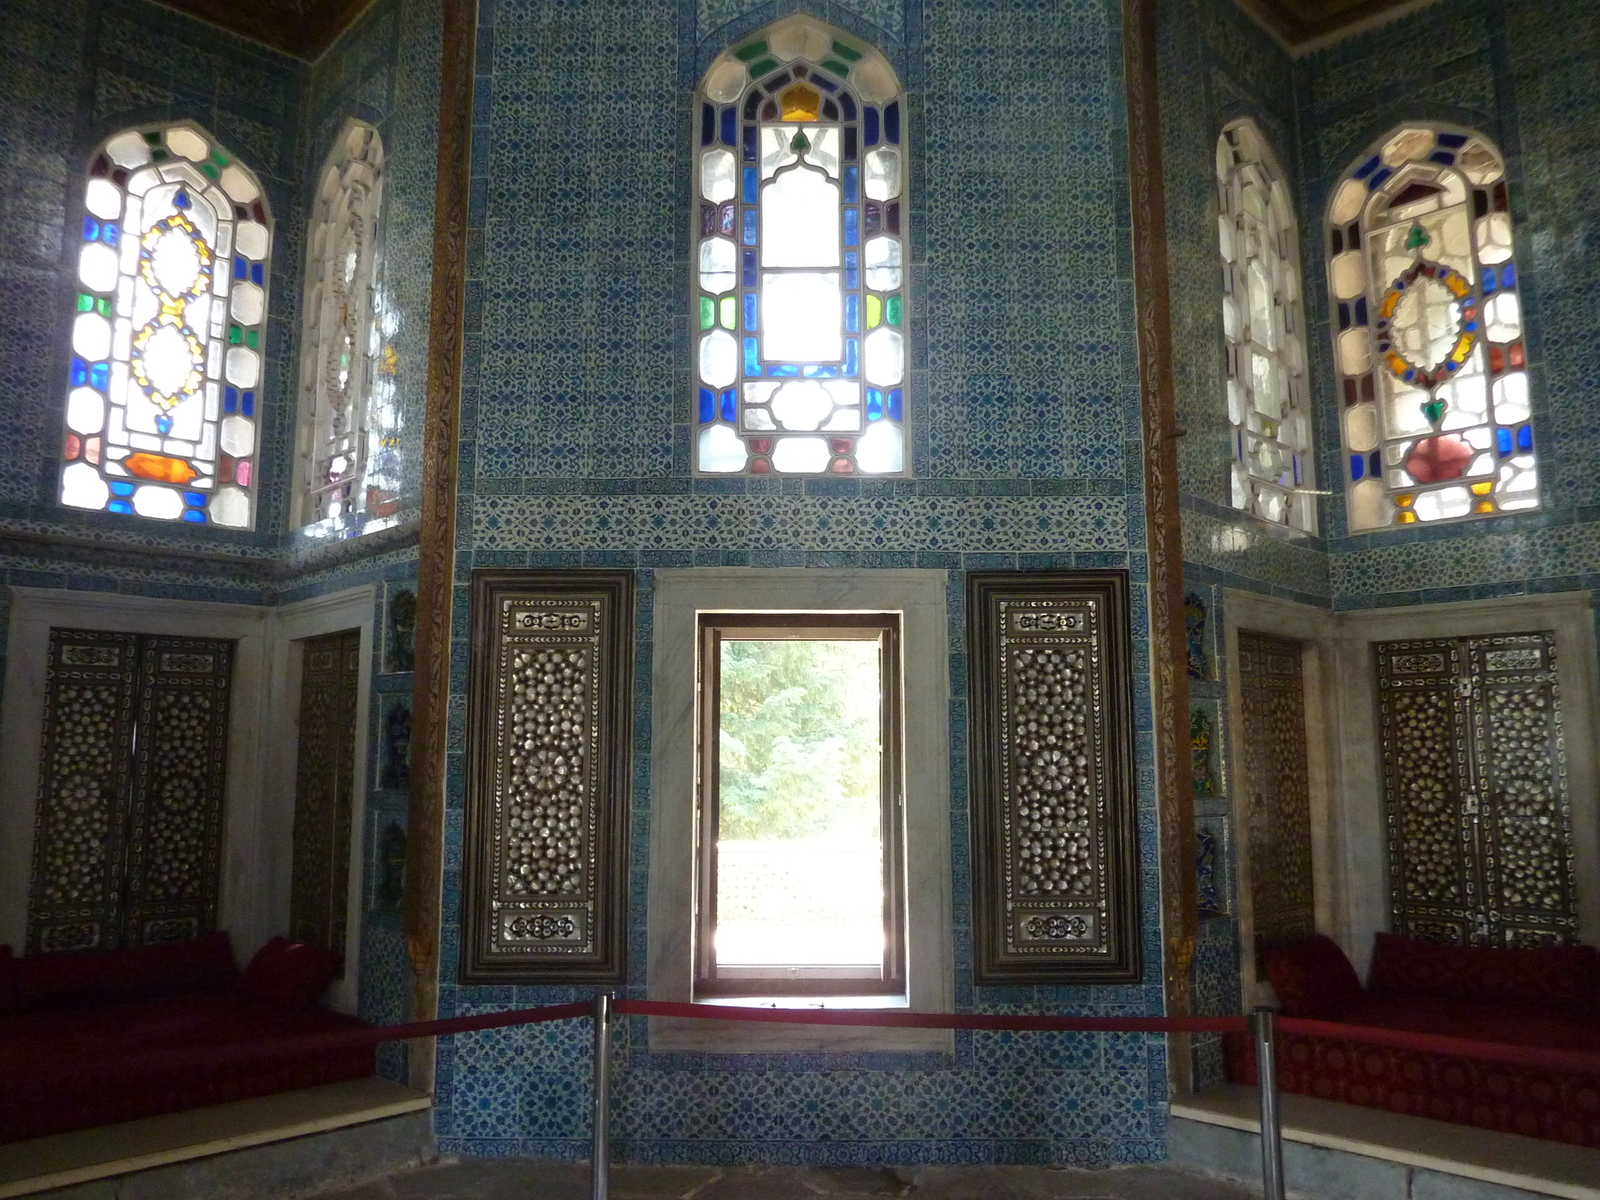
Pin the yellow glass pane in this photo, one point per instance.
(1405, 517)
(727, 313)
(874, 311)
(1483, 506)
(1482, 489)
(801, 103)
(1404, 501)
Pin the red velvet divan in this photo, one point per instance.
(95, 1038)
(1548, 998)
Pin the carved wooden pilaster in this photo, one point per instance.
(1169, 683)
(437, 537)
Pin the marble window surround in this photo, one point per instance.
(919, 595)
(1345, 766)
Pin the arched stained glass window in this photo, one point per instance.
(799, 275)
(164, 386)
(1427, 333)
(1268, 399)
(348, 427)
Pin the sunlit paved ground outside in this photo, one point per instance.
(534, 1179)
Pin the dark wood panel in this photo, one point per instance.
(304, 28)
(1300, 22)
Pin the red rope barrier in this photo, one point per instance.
(1433, 1043)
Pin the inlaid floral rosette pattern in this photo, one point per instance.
(548, 786)
(1479, 821)
(1054, 857)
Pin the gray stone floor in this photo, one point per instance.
(533, 1179)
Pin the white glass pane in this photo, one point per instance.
(824, 150)
(104, 199)
(1511, 398)
(1502, 317)
(244, 366)
(169, 360)
(726, 81)
(162, 503)
(801, 317)
(800, 220)
(248, 303)
(885, 357)
(881, 450)
(250, 239)
(82, 487)
(721, 449)
(86, 410)
(775, 151)
(91, 336)
(802, 405)
(175, 262)
(804, 455)
(1349, 275)
(238, 184)
(719, 358)
(882, 175)
(128, 150)
(716, 175)
(97, 267)
(188, 143)
(716, 265)
(1368, 508)
(883, 264)
(230, 507)
(238, 436)
(1361, 428)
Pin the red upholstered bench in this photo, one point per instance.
(90, 1039)
(1546, 998)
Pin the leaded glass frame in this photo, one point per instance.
(1427, 328)
(798, 296)
(1269, 408)
(166, 368)
(348, 435)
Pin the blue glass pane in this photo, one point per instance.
(163, 425)
(1488, 280)
(1453, 140)
(230, 400)
(91, 229)
(1358, 466)
(1361, 311)
(1444, 157)
(121, 489)
(727, 405)
(708, 405)
(241, 268)
(119, 506)
(750, 269)
(895, 405)
(749, 143)
(750, 181)
(195, 499)
(824, 82)
(1508, 276)
(1296, 470)
(749, 227)
(1367, 168)
(781, 370)
(852, 181)
(729, 124)
(852, 357)
(852, 272)
(891, 122)
(874, 404)
(181, 199)
(1502, 438)
(852, 225)
(1374, 465)
(194, 516)
(752, 357)
(750, 311)
(852, 313)
(820, 371)
(248, 404)
(109, 234)
(99, 375)
(80, 372)
(1344, 316)
(849, 103)
(869, 126)
(256, 272)
(1378, 180)
(1525, 438)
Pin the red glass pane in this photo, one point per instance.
(1436, 459)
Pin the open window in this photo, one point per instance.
(800, 865)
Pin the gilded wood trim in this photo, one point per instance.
(1169, 682)
(436, 539)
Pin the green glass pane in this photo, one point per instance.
(751, 50)
(218, 157)
(757, 70)
(235, 335)
(874, 311)
(209, 170)
(846, 52)
(836, 67)
(103, 306)
(728, 311)
(253, 339)
(158, 156)
(153, 138)
(85, 302)
(708, 313)
(892, 310)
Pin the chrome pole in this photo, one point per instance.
(1263, 1023)
(600, 1148)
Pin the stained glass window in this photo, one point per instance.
(1427, 333)
(349, 424)
(163, 403)
(1268, 400)
(799, 274)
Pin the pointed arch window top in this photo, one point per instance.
(162, 406)
(800, 270)
(1428, 333)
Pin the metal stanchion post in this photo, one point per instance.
(600, 1148)
(1263, 1023)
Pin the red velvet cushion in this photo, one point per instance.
(291, 973)
(1310, 974)
(1560, 976)
(203, 964)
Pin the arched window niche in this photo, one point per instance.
(348, 426)
(1271, 475)
(163, 403)
(799, 292)
(1427, 333)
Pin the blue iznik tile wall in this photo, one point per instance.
(574, 451)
